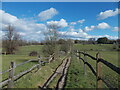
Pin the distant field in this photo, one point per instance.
(76, 70)
(96, 47)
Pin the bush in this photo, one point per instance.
(33, 53)
(48, 49)
(66, 46)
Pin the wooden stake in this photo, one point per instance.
(11, 75)
(99, 71)
(80, 57)
(85, 72)
(39, 61)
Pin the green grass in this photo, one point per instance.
(54, 82)
(76, 70)
(38, 78)
(33, 79)
(25, 50)
(75, 78)
(96, 47)
(21, 55)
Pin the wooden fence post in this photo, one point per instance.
(77, 55)
(50, 58)
(85, 72)
(98, 71)
(39, 61)
(80, 57)
(11, 75)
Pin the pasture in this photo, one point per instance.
(33, 79)
(76, 70)
(75, 78)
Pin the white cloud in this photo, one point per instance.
(25, 28)
(73, 23)
(47, 14)
(31, 30)
(108, 13)
(21, 33)
(58, 24)
(116, 29)
(81, 35)
(1, 34)
(81, 21)
(74, 33)
(7, 18)
(89, 28)
(103, 25)
(38, 32)
(29, 26)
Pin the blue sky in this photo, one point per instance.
(88, 13)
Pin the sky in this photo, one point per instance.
(75, 20)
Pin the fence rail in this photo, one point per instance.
(9, 82)
(108, 64)
(18, 65)
(98, 71)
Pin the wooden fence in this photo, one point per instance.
(98, 71)
(9, 82)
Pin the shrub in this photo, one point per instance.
(33, 53)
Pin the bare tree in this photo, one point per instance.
(11, 40)
(51, 38)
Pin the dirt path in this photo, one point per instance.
(61, 69)
(61, 80)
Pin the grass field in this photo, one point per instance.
(21, 55)
(76, 70)
(33, 79)
(75, 78)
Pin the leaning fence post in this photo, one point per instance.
(85, 72)
(99, 71)
(11, 75)
(50, 58)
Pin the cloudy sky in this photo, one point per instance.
(74, 20)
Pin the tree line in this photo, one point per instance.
(52, 43)
(102, 40)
